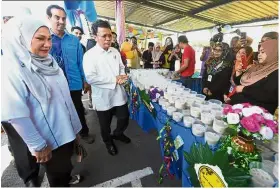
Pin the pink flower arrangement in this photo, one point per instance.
(253, 121)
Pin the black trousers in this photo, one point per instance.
(76, 96)
(105, 119)
(59, 167)
(26, 164)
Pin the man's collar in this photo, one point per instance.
(103, 50)
(65, 33)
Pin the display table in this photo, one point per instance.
(177, 142)
(146, 121)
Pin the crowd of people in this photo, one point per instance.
(235, 74)
(46, 70)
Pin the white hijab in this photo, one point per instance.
(156, 54)
(16, 44)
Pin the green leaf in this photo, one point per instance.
(202, 154)
(193, 176)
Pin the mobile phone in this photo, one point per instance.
(244, 62)
(243, 37)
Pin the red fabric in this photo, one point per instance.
(188, 53)
(123, 56)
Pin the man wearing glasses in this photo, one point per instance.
(105, 73)
(68, 52)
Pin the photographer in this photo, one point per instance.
(174, 56)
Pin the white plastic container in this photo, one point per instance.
(179, 104)
(217, 111)
(211, 138)
(261, 178)
(186, 112)
(170, 110)
(207, 117)
(200, 98)
(165, 105)
(188, 121)
(177, 116)
(161, 100)
(198, 129)
(219, 126)
(195, 110)
(205, 106)
(190, 101)
(214, 101)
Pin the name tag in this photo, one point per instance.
(209, 78)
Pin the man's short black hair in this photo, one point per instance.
(78, 28)
(49, 9)
(99, 24)
(151, 44)
(183, 39)
(114, 33)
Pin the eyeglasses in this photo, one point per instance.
(105, 36)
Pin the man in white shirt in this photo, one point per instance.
(104, 71)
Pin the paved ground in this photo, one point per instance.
(142, 157)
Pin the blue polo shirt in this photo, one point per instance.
(68, 52)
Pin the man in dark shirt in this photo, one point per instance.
(77, 31)
(147, 56)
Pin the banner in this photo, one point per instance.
(75, 8)
(120, 21)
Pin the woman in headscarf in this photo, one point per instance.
(259, 84)
(168, 47)
(216, 78)
(157, 57)
(246, 55)
(36, 99)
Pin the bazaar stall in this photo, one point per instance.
(204, 143)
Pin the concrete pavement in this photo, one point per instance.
(139, 158)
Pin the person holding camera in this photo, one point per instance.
(135, 61)
(175, 55)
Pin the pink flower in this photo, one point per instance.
(250, 124)
(227, 109)
(258, 118)
(272, 125)
(246, 105)
(237, 111)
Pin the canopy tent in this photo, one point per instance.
(186, 16)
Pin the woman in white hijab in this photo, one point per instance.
(157, 56)
(35, 98)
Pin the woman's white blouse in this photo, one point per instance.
(55, 124)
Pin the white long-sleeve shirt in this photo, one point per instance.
(101, 68)
(54, 124)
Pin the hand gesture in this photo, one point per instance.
(205, 91)
(44, 155)
(238, 68)
(239, 88)
(87, 87)
(121, 79)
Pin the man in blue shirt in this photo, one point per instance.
(68, 52)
